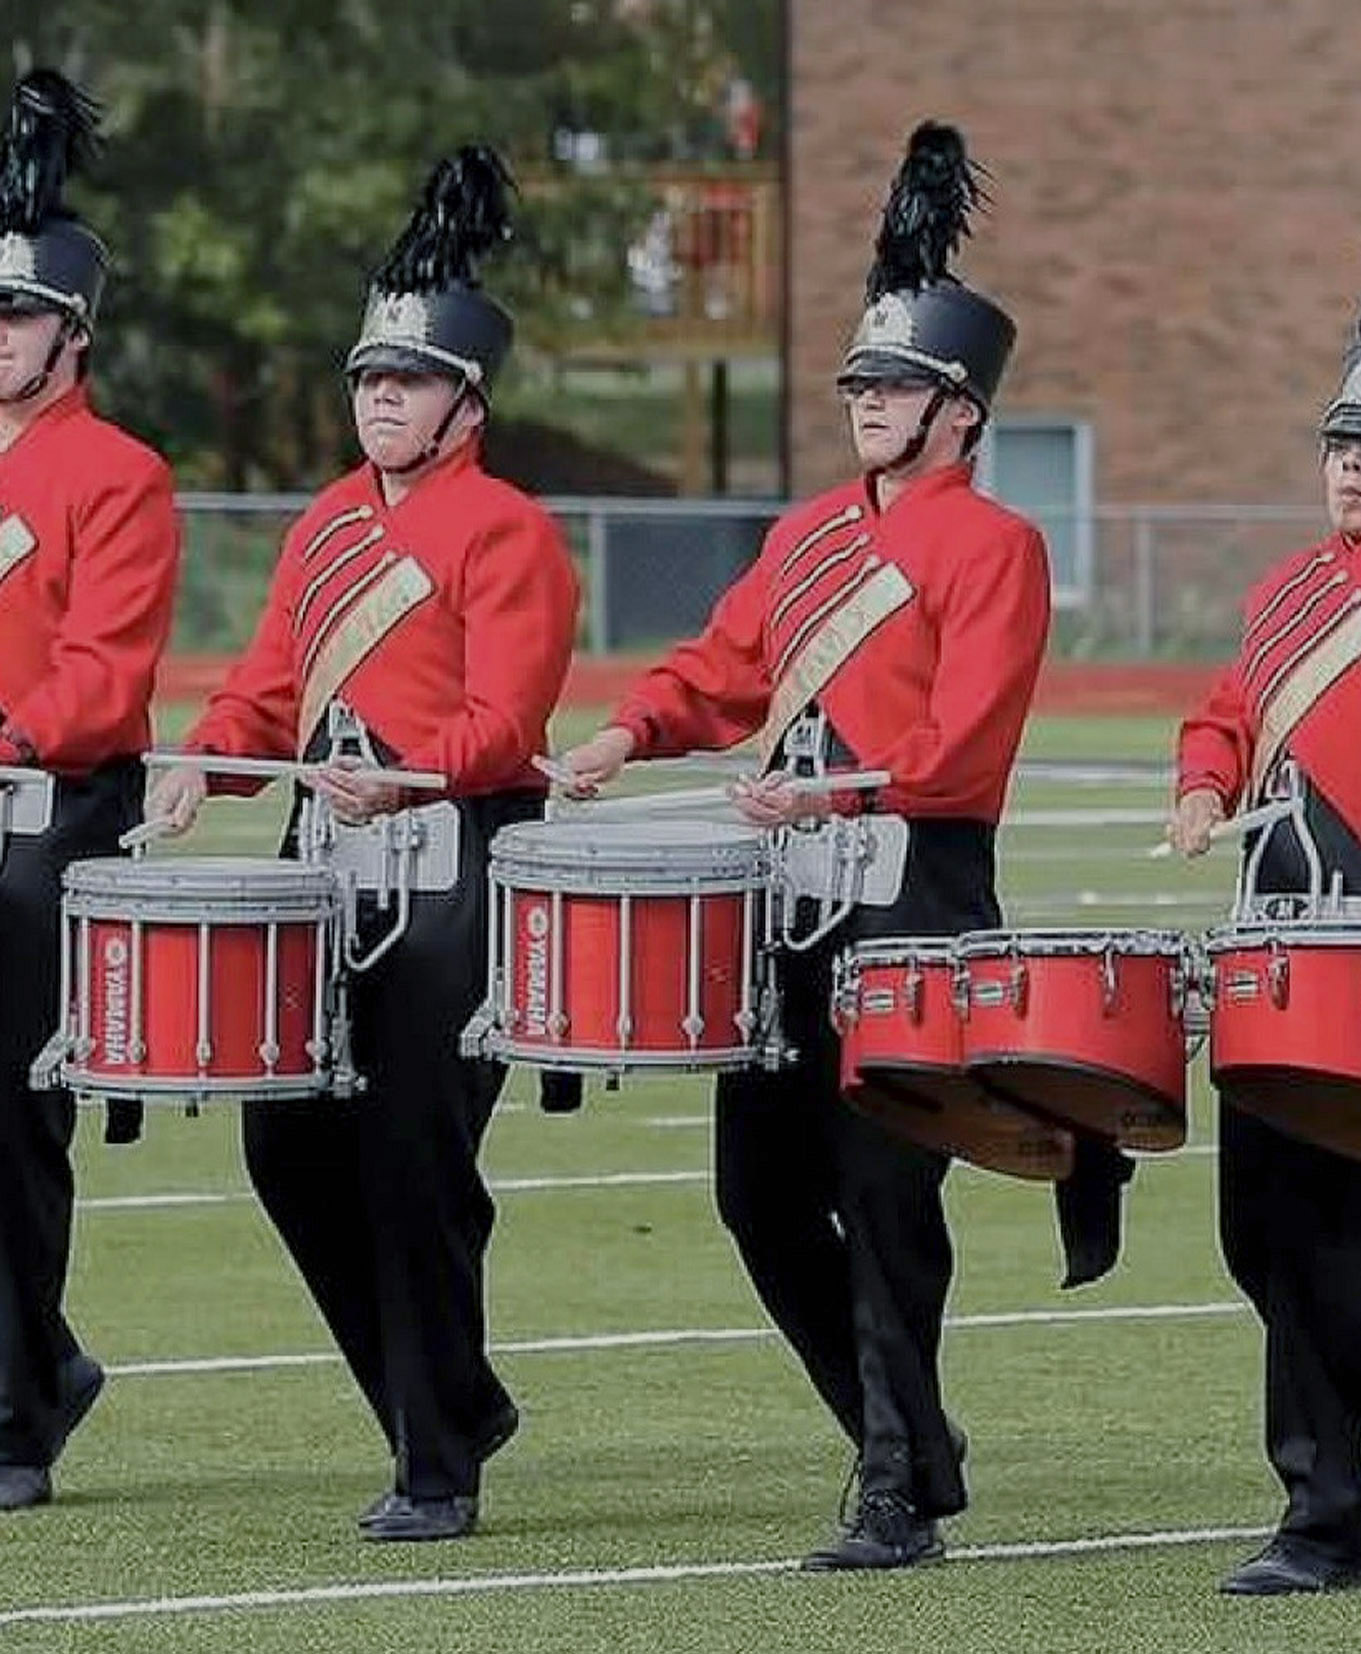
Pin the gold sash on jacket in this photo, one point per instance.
(17, 541)
(830, 647)
(1302, 687)
(365, 624)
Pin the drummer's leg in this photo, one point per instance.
(775, 1185)
(36, 1185)
(1291, 1220)
(432, 1213)
(901, 1265)
(305, 1161)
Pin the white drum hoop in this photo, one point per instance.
(1067, 943)
(603, 858)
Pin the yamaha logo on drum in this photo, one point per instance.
(537, 926)
(114, 960)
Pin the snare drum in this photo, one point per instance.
(195, 976)
(1084, 1026)
(902, 1061)
(1285, 1026)
(624, 945)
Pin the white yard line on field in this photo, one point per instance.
(671, 1337)
(313, 1596)
(176, 1200)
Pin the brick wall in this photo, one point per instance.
(1177, 225)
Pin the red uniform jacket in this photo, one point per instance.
(446, 622)
(1303, 603)
(937, 693)
(89, 551)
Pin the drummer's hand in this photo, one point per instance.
(596, 761)
(356, 798)
(775, 801)
(1197, 812)
(176, 798)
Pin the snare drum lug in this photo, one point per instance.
(745, 1023)
(137, 1051)
(845, 993)
(557, 1025)
(912, 992)
(959, 989)
(1018, 988)
(203, 1055)
(692, 1028)
(624, 1028)
(1110, 983)
(1278, 977)
(269, 1053)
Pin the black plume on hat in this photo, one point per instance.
(927, 212)
(463, 214)
(53, 132)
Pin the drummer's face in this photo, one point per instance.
(1342, 484)
(397, 414)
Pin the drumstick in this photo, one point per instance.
(272, 768)
(699, 798)
(1248, 821)
(144, 832)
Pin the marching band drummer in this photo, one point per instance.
(440, 605)
(89, 550)
(1290, 1212)
(900, 620)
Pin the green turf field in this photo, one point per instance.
(673, 1463)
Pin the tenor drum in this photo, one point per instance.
(195, 976)
(626, 945)
(1085, 1027)
(1285, 1016)
(895, 1006)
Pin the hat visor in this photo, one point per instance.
(1343, 420)
(17, 301)
(886, 365)
(387, 358)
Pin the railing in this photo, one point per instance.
(1152, 581)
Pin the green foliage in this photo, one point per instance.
(262, 155)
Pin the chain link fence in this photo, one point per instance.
(1157, 582)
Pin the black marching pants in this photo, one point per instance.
(1290, 1227)
(841, 1225)
(380, 1201)
(36, 1185)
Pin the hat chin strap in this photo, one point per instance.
(912, 448)
(36, 383)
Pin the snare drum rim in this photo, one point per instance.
(1281, 933)
(894, 951)
(1073, 942)
(539, 855)
(225, 883)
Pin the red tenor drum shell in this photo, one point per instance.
(1085, 1027)
(626, 944)
(902, 1061)
(1285, 1027)
(191, 976)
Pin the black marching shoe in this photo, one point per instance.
(24, 1485)
(885, 1532)
(398, 1516)
(1290, 1565)
(494, 1435)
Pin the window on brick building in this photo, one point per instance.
(1042, 467)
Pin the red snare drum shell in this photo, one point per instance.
(1284, 1023)
(170, 1000)
(170, 986)
(901, 1063)
(622, 944)
(1082, 1027)
(658, 973)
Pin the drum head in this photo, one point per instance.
(586, 854)
(1083, 1096)
(949, 1112)
(904, 950)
